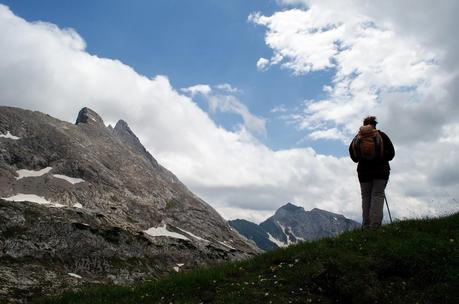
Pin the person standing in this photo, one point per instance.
(372, 150)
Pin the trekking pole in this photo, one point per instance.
(388, 210)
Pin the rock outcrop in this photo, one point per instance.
(88, 116)
(84, 203)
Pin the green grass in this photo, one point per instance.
(414, 261)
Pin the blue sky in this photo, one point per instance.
(206, 42)
(316, 59)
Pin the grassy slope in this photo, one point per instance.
(415, 261)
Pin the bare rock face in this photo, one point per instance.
(84, 203)
(86, 115)
(126, 135)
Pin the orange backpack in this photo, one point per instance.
(368, 144)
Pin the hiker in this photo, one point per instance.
(373, 150)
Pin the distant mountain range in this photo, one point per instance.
(291, 224)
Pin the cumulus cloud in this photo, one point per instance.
(333, 133)
(391, 58)
(369, 60)
(203, 89)
(263, 64)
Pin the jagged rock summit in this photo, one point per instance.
(126, 135)
(84, 203)
(291, 224)
(86, 115)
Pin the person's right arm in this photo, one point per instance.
(389, 151)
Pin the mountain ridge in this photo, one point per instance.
(291, 224)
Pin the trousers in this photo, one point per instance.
(372, 202)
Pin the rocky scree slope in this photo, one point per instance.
(85, 203)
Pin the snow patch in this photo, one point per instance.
(177, 268)
(30, 173)
(283, 230)
(192, 235)
(78, 205)
(162, 231)
(20, 197)
(297, 237)
(9, 135)
(335, 218)
(74, 275)
(276, 241)
(226, 245)
(71, 180)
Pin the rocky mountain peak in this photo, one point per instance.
(96, 198)
(122, 127)
(325, 213)
(126, 135)
(122, 124)
(291, 208)
(88, 116)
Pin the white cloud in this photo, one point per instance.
(450, 134)
(226, 87)
(203, 89)
(333, 133)
(46, 68)
(230, 104)
(279, 109)
(263, 64)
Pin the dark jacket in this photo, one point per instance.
(375, 169)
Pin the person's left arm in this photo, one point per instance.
(389, 151)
